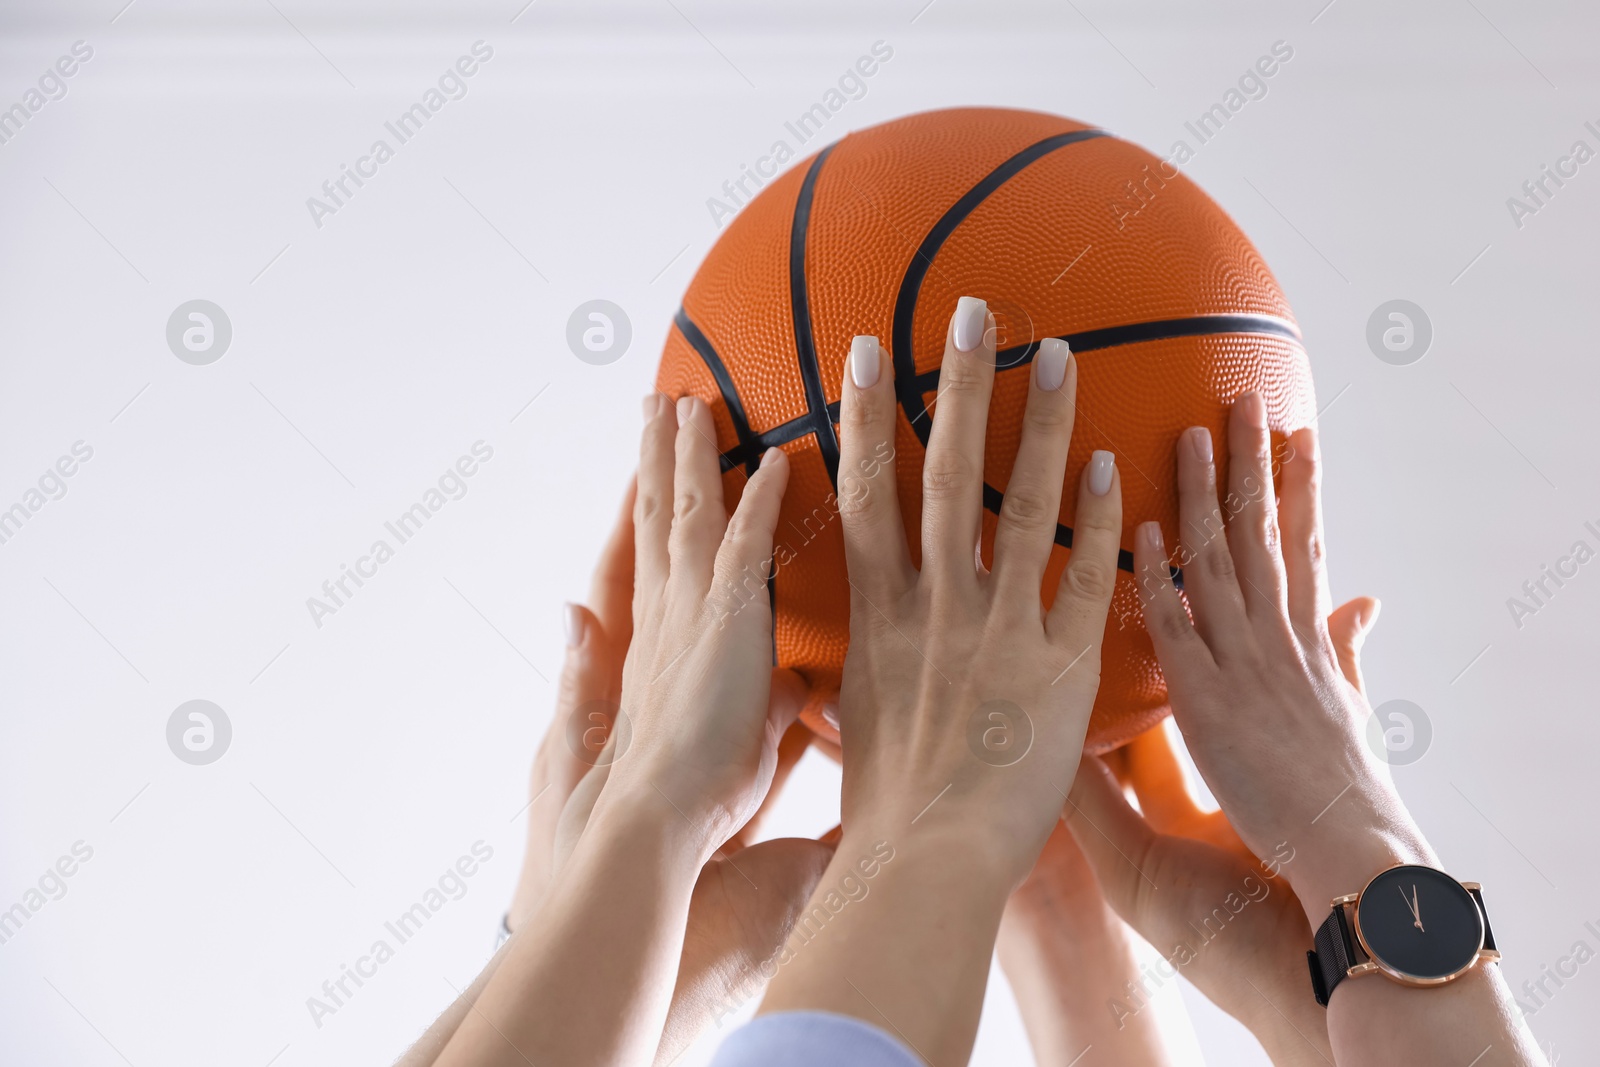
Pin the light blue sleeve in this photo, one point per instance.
(809, 1038)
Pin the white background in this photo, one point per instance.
(372, 352)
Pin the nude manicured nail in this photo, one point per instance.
(572, 620)
(651, 405)
(1253, 410)
(1200, 443)
(971, 319)
(1102, 465)
(685, 408)
(866, 361)
(1150, 534)
(770, 456)
(1050, 365)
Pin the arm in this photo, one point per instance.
(1069, 959)
(1276, 729)
(964, 704)
(589, 977)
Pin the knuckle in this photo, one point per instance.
(962, 375)
(650, 507)
(1090, 579)
(946, 475)
(1046, 417)
(1171, 624)
(688, 504)
(1218, 563)
(1027, 506)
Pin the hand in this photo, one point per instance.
(940, 659)
(1274, 726)
(943, 657)
(590, 977)
(702, 738)
(1276, 729)
(733, 926)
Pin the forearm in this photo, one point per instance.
(1371, 1019)
(426, 1049)
(589, 979)
(910, 955)
(1067, 971)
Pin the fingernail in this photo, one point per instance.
(769, 457)
(971, 319)
(572, 618)
(1150, 534)
(1253, 410)
(1102, 465)
(830, 715)
(865, 361)
(652, 406)
(685, 408)
(1200, 443)
(1050, 365)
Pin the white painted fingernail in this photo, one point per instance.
(1102, 465)
(1050, 365)
(971, 319)
(572, 619)
(866, 362)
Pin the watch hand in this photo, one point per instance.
(1411, 903)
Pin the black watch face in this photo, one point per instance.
(1419, 922)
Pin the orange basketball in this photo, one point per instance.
(1067, 232)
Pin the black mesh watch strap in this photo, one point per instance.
(1333, 956)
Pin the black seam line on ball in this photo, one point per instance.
(804, 341)
(1136, 333)
(905, 304)
(744, 454)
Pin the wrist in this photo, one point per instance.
(634, 814)
(1347, 848)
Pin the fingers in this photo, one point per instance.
(611, 588)
(1208, 566)
(874, 535)
(952, 472)
(1253, 510)
(1077, 619)
(744, 562)
(1178, 647)
(698, 514)
(1111, 834)
(1348, 627)
(1026, 530)
(652, 505)
(1300, 518)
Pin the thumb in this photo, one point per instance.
(1348, 627)
(1111, 834)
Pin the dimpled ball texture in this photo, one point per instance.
(1066, 231)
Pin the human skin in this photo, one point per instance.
(1276, 729)
(933, 651)
(1067, 954)
(597, 956)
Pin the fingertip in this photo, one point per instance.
(773, 458)
(1251, 410)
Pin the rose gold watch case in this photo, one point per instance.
(1375, 965)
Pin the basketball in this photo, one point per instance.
(1067, 232)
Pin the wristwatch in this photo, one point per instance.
(1413, 924)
